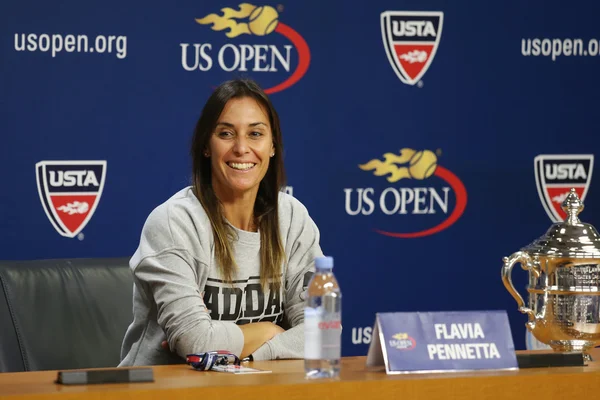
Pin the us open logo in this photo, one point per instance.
(402, 341)
(411, 39)
(257, 42)
(70, 192)
(420, 191)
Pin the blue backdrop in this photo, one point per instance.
(472, 91)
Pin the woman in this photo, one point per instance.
(223, 264)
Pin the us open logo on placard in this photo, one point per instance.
(411, 39)
(402, 341)
(70, 192)
(247, 49)
(556, 174)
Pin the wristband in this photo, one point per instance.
(205, 361)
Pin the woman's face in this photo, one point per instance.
(240, 148)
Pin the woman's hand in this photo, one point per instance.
(257, 334)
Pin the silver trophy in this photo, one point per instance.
(564, 282)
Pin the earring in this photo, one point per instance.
(206, 154)
(272, 154)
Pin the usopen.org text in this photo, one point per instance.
(558, 47)
(56, 43)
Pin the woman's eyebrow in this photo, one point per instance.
(257, 123)
(230, 125)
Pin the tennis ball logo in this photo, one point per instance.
(409, 164)
(263, 20)
(247, 20)
(422, 164)
(251, 20)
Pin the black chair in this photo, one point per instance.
(63, 314)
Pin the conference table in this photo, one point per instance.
(287, 382)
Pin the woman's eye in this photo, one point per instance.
(225, 134)
(256, 134)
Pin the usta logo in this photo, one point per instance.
(69, 192)
(255, 57)
(411, 39)
(406, 200)
(557, 174)
(73, 178)
(565, 171)
(413, 28)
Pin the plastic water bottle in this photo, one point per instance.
(323, 323)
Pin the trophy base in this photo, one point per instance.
(573, 346)
(545, 359)
(568, 346)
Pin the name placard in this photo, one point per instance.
(442, 341)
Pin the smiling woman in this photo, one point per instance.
(240, 154)
(224, 264)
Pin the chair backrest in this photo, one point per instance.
(63, 314)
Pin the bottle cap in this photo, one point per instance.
(324, 262)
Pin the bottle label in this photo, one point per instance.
(322, 334)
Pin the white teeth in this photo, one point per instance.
(240, 166)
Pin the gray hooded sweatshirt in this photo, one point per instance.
(180, 296)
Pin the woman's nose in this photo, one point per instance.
(241, 145)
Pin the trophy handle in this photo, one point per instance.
(526, 263)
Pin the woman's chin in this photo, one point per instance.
(238, 188)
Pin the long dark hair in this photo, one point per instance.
(266, 215)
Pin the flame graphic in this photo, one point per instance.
(560, 198)
(76, 207)
(421, 165)
(261, 20)
(416, 56)
(400, 336)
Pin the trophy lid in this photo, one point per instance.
(571, 238)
